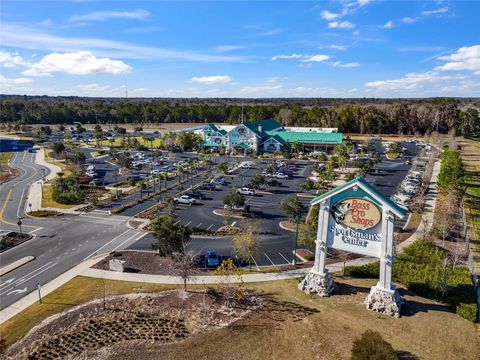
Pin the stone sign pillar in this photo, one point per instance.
(319, 280)
(384, 297)
(356, 217)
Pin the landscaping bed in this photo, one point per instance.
(44, 213)
(13, 239)
(127, 321)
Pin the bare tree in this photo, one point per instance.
(245, 243)
(184, 264)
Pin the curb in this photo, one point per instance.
(234, 216)
(285, 228)
(16, 264)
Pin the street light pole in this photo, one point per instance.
(116, 184)
(39, 293)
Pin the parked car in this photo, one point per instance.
(185, 199)
(212, 259)
(156, 172)
(273, 182)
(196, 194)
(246, 191)
(218, 181)
(244, 208)
(246, 166)
(281, 175)
(208, 186)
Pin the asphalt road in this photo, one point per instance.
(58, 244)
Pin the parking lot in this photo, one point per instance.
(276, 244)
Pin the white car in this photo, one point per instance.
(281, 176)
(156, 172)
(246, 191)
(185, 199)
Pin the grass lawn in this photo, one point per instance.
(47, 200)
(5, 157)
(427, 330)
(470, 150)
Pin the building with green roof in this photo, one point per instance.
(267, 136)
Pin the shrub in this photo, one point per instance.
(371, 346)
(366, 271)
(44, 213)
(467, 311)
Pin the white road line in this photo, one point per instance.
(233, 223)
(199, 225)
(31, 232)
(279, 253)
(38, 273)
(177, 222)
(141, 236)
(270, 259)
(188, 223)
(209, 227)
(31, 272)
(256, 265)
(101, 218)
(20, 204)
(100, 248)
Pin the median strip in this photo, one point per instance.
(16, 264)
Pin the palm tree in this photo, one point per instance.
(295, 210)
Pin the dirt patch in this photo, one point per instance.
(13, 239)
(7, 174)
(139, 262)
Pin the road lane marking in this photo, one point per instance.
(115, 238)
(188, 223)
(279, 253)
(209, 227)
(141, 236)
(18, 291)
(256, 265)
(199, 225)
(20, 203)
(38, 273)
(270, 259)
(7, 198)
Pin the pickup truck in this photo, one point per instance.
(185, 199)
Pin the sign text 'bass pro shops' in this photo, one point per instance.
(355, 225)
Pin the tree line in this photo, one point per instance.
(392, 116)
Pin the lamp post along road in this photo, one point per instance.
(296, 220)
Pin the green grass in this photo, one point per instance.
(48, 202)
(429, 331)
(118, 142)
(5, 157)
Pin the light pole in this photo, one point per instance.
(296, 220)
(116, 183)
(39, 293)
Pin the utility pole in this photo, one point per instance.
(296, 220)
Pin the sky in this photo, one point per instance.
(244, 49)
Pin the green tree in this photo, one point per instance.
(233, 199)
(258, 180)
(58, 148)
(170, 236)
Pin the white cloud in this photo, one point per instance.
(14, 81)
(345, 65)
(388, 25)
(292, 56)
(434, 12)
(465, 58)
(91, 88)
(11, 60)
(224, 48)
(138, 14)
(412, 81)
(363, 2)
(327, 15)
(338, 47)
(25, 37)
(341, 25)
(410, 20)
(316, 58)
(262, 89)
(76, 63)
(210, 80)
(142, 29)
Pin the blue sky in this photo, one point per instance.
(340, 48)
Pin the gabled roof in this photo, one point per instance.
(369, 189)
(308, 137)
(254, 128)
(212, 126)
(223, 132)
(243, 146)
(268, 124)
(212, 144)
(276, 138)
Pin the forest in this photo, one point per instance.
(382, 116)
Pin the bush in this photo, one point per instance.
(366, 271)
(371, 346)
(44, 213)
(467, 311)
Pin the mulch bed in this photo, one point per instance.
(139, 262)
(13, 239)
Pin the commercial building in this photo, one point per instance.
(268, 136)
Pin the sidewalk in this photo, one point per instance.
(46, 289)
(429, 211)
(35, 191)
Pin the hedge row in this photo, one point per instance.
(420, 268)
